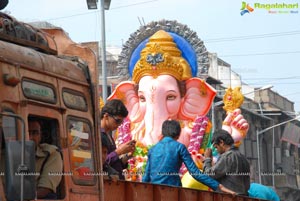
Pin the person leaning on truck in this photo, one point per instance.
(48, 161)
(112, 116)
(232, 168)
(165, 159)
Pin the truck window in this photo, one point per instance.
(49, 130)
(81, 151)
(38, 91)
(74, 100)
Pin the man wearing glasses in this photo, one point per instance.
(112, 115)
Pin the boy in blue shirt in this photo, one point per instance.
(166, 157)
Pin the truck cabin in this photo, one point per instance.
(56, 88)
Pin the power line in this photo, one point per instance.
(248, 37)
(276, 83)
(259, 54)
(281, 78)
(135, 4)
(292, 93)
(96, 11)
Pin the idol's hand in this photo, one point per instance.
(236, 125)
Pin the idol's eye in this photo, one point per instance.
(142, 98)
(171, 97)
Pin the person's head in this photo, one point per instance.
(222, 140)
(113, 114)
(34, 129)
(171, 128)
(104, 146)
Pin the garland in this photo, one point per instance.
(201, 129)
(136, 165)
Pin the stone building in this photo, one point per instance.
(271, 145)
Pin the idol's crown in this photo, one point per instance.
(161, 57)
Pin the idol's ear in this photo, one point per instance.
(197, 100)
(126, 92)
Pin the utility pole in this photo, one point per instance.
(258, 133)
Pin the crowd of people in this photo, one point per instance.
(229, 174)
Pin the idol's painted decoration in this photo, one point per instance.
(162, 71)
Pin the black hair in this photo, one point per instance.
(171, 128)
(222, 135)
(33, 119)
(114, 107)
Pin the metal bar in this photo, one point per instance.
(22, 166)
(103, 53)
(258, 156)
(266, 129)
(258, 144)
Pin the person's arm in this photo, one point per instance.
(42, 192)
(112, 157)
(194, 171)
(226, 190)
(50, 176)
(122, 149)
(125, 148)
(218, 170)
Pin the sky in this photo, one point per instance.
(263, 47)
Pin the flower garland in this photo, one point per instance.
(136, 165)
(201, 129)
(124, 134)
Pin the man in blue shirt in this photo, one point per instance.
(166, 157)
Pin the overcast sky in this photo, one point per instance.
(263, 47)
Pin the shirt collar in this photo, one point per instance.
(40, 152)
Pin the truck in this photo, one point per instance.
(45, 75)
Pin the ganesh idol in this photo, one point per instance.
(163, 87)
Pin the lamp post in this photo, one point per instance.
(258, 133)
(104, 5)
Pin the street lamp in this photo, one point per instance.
(258, 133)
(92, 4)
(104, 5)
